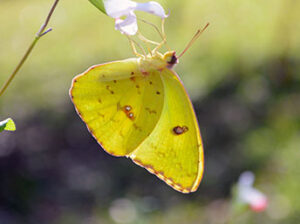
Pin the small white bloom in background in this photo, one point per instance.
(248, 194)
(119, 8)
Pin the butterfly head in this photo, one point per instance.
(170, 58)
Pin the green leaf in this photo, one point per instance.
(7, 125)
(99, 4)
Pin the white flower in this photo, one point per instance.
(119, 8)
(128, 25)
(249, 195)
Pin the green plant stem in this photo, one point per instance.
(40, 33)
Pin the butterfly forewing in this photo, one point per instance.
(119, 104)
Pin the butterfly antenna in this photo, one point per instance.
(144, 39)
(195, 37)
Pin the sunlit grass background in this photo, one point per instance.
(243, 77)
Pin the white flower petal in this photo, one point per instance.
(153, 8)
(246, 179)
(248, 194)
(127, 26)
(118, 8)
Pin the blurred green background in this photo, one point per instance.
(243, 77)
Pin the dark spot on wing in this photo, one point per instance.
(108, 88)
(157, 92)
(150, 83)
(178, 130)
(102, 115)
(150, 111)
(115, 81)
(130, 115)
(137, 127)
(127, 110)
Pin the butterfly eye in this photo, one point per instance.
(173, 60)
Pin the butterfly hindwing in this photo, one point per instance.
(173, 151)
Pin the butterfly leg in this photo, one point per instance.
(132, 44)
(147, 42)
(164, 37)
(154, 26)
(161, 34)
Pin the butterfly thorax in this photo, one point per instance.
(158, 61)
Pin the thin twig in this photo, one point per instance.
(39, 34)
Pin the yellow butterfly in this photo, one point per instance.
(139, 108)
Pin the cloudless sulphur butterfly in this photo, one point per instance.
(139, 108)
